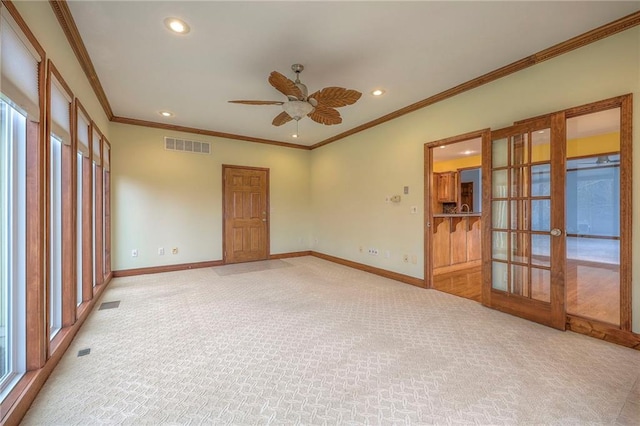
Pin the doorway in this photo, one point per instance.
(245, 197)
(453, 206)
(555, 220)
(558, 243)
(595, 217)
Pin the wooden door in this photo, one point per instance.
(524, 237)
(246, 214)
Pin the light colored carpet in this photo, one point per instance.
(243, 268)
(319, 343)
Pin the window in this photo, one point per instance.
(12, 244)
(20, 64)
(96, 156)
(93, 228)
(594, 187)
(55, 237)
(106, 211)
(83, 206)
(61, 246)
(79, 225)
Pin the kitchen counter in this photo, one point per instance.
(473, 214)
(456, 241)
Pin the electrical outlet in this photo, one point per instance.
(174, 250)
(414, 209)
(374, 251)
(161, 251)
(405, 258)
(134, 253)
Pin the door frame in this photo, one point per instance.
(592, 327)
(626, 218)
(484, 134)
(623, 334)
(224, 215)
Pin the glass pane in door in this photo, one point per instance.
(593, 216)
(521, 212)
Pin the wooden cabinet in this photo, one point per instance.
(447, 187)
(456, 242)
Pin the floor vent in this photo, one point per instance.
(184, 145)
(84, 352)
(109, 305)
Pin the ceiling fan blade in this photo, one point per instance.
(257, 102)
(325, 115)
(281, 118)
(336, 97)
(285, 86)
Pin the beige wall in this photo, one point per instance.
(331, 199)
(174, 199)
(350, 178)
(43, 23)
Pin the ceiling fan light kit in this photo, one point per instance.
(297, 109)
(319, 106)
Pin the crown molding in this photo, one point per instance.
(67, 23)
(62, 12)
(176, 128)
(589, 37)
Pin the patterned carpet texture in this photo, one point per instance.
(315, 343)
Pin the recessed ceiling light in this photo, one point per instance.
(294, 135)
(541, 131)
(166, 114)
(177, 25)
(442, 146)
(467, 152)
(377, 92)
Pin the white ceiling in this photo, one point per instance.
(471, 147)
(413, 50)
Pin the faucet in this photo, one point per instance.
(462, 208)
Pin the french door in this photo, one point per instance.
(524, 245)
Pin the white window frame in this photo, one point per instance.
(13, 243)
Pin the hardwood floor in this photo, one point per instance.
(593, 289)
(465, 283)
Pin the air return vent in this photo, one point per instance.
(175, 144)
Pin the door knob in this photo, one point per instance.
(556, 232)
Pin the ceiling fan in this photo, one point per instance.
(319, 106)
(602, 159)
